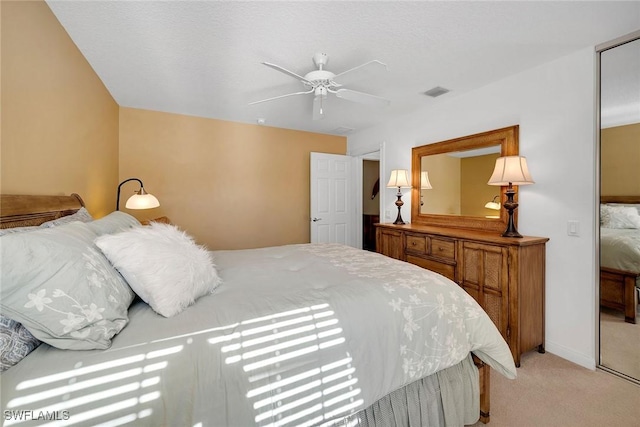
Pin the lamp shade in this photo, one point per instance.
(424, 181)
(399, 178)
(142, 200)
(493, 204)
(511, 170)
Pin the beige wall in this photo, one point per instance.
(620, 161)
(459, 185)
(444, 176)
(370, 174)
(474, 190)
(59, 123)
(230, 185)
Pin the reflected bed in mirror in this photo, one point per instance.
(456, 193)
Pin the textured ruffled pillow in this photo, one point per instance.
(636, 206)
(619, 217)
(163, 265)
(15, 342)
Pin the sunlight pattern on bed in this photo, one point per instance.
(309, 383)
(133, 382)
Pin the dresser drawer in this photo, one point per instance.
(416, 244)
(443, 248)
(447, 270)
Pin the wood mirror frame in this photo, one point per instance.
(507, 138)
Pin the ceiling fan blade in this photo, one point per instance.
(281, 96)
(361, 97)
(375, 61)
(318, 108)
(284, 70)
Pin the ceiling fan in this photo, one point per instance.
(321, 82)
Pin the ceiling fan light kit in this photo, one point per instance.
(321, 82)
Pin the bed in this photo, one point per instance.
(294, 335)
(620, 261)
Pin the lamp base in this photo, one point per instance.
(399, 221)
(511, 233)
(510, 206)
(399, 204)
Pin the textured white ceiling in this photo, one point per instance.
(204, 58)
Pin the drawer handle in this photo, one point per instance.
(440, 248)
(413, 243)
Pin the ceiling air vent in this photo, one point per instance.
(342, 130)
(436, 91)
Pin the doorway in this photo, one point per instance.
(370, 202)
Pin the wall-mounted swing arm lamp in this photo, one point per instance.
(399, 178)
(510, 171)
(493, 204)
(140, 199)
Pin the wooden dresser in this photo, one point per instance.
(505, 275)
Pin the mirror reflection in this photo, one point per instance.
(456, 193)
(620, 209)
(456, 183)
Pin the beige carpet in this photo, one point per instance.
(552, 392)
(620, 343)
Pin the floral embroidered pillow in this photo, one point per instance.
(59, 285)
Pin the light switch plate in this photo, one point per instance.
(573, 228)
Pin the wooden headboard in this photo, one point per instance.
(620, 199)
(22, 210)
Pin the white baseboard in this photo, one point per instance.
(559, 350)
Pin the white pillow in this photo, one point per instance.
(162, 264)
(81, 215)
(629, 205)
(619, 217)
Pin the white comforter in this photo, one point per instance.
(295, 334)
(620, 249)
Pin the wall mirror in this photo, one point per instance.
(619, 244)
(450, 181)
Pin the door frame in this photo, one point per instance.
(596, 208)
(370, 154)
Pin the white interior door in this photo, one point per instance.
(332, 206)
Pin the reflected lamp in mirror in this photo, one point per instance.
(493, 204)
(424, 184)
(400, 179)
(140, 199)
(510, 171)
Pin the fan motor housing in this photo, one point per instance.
(321, 91)
(319, 76)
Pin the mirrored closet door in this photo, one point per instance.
(619, 246)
